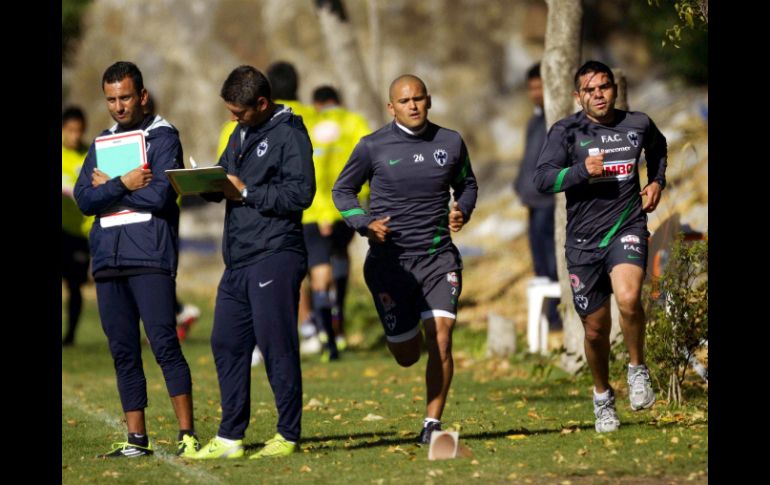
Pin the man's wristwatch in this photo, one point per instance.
(244, 193)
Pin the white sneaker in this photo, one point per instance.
(311, 345)
(640, 391)
(256, 357)
(606, 416)
(307, 329)
(188, 315)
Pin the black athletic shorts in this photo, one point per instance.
(75, 257)
(589, 271)
(319, 248)
(408, 290)
(342, 234)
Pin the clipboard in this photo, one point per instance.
(116, 155)
(120, 153)
(192, 181)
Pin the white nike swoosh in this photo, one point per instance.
(262, 285)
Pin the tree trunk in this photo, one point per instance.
(560, 61)
(344, 54)
(621, 101)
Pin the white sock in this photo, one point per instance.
(634, 367)
(430, 420)
(227, 441)
(602, 396)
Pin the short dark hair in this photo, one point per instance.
(244, 86)
(322, 94)
(533, 72)
(284, 80)
(73, 113)
(119, 71)
(593, 66)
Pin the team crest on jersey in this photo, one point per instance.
(262, 147)
(452, 278)
(581, 301)
(633, 137)
(440, 157)
(390, 321)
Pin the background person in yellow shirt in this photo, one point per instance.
(335, 134)
(74, 225)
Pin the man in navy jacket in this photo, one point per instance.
(134, 260)
(269, 160)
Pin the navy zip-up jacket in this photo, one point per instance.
(152, 243)
(275, 161)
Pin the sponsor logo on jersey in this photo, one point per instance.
(630, 238)
(631, 247)
(577, 285)
(327, 131)
(393, 162)
(611, 138)
(440, 157)
(452, 278)
(387, 302)
(615, 171)
(618, 149)
(585, 143)
(262, 148)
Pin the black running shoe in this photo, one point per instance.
(428, 430)
(127, 450)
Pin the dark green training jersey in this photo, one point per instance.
(599, 208)
(410, 177)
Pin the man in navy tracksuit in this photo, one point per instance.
(269, 160)
(134, 260)
(412, 269)
(593, 156)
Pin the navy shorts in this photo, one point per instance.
(407, 290)
(589, 271)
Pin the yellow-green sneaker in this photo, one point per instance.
(278, 446)
(216, 448)
(188, 446)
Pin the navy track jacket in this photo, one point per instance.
(152, 243)
(275, 161)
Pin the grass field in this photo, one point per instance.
(524, 420)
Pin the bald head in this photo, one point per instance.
(409, 102)
(403, 79)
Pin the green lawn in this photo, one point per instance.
(524, 420)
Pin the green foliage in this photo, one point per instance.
(690, 13)
(677, 317)
(679, 47)
(71, 14)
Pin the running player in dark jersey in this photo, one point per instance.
(412, 269)
(593, 156)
